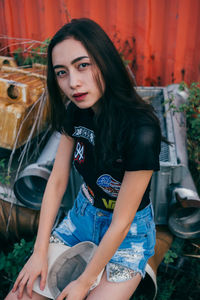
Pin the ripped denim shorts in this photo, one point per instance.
(85, 222)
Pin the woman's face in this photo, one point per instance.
(76, 74)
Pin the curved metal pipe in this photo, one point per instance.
(30, 185)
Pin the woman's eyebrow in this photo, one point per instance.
(72, 62)
(78, 58)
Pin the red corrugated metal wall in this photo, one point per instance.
(163, 35)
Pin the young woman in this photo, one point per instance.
(113, 138)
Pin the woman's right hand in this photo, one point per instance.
(35, 266)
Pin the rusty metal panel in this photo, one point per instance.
(159, 37)
(20, 92)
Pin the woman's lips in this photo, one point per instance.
(79, 96)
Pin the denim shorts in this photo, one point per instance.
(85, 222)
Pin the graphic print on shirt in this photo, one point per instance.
(83, 132)
(109, 185)
(109, 204)
(79, 155)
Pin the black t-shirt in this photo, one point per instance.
(141, 153)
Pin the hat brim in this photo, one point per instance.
(69, 266)
(59, 254)
(54, 251)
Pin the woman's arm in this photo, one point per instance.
(131, 192)
(54, 192)
(56, 186)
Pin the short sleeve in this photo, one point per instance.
(143, 149)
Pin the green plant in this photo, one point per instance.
(178, 276)
(4, 177)
(166, 287)
(169, 256)
(31, 55)
(12, 263)
(191, 109)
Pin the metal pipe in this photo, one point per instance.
(30, 185)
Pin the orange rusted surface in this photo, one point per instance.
(20, 92)
(161, 37)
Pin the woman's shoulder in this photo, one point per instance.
(140, 119)
(143, 129)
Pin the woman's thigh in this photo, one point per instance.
(35, 296)
(115, 290)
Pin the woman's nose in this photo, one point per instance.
(74, 80)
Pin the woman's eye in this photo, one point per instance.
(83, 65)
(61, 73)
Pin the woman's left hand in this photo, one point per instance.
(74, 290)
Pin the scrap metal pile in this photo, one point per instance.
(24, 114)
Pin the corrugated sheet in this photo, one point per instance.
(160, 37)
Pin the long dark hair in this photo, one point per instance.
(120, 105)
